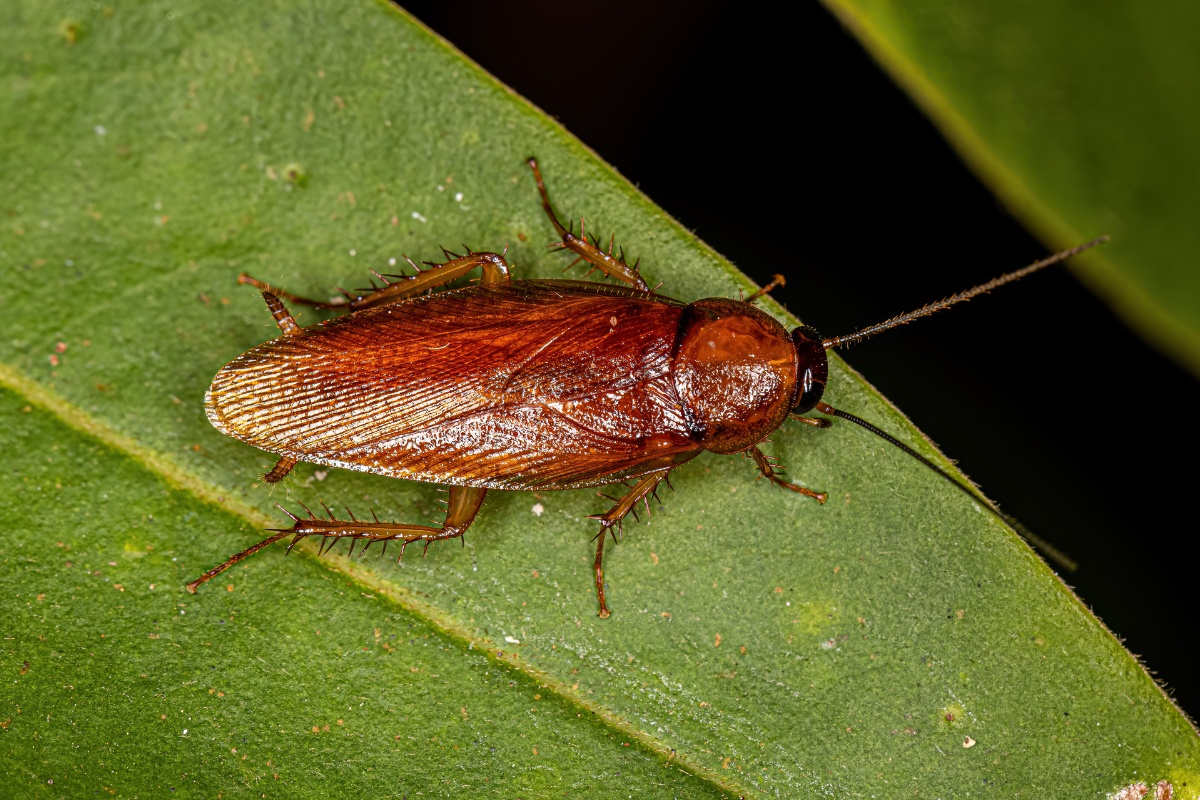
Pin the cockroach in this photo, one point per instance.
(529, 385)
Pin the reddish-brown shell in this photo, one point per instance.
(735, 373)
(521, 385)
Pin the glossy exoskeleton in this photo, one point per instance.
(516, 384)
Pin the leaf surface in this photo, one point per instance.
(898, 636)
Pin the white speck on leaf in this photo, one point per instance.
(100, 130)
(537, 509)
(418, 217)
(511, 640)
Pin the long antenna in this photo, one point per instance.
(961, 297)
(1053, 553)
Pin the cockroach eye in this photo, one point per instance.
(812, 367)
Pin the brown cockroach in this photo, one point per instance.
(534, 385)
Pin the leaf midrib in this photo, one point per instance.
(74, 417)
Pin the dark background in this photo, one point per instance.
(783, 145)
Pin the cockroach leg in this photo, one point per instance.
(495, 270)
(281, 469)
(613, 266)
(249, 551)
(816, 422)
(775, 283)
(282, 317)
(464, 506)
(768, 472)
(598, 568)
(642, 490)
(246, 280)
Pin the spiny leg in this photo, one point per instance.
(775, 283)
(768, 472)
(816, 422)
(281, 469)
(276, 292)
(249, 551)
(462, 507)
(282, 317)
(616, 267)
(641, 491)
(402, 287)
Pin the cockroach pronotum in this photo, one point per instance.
(535, 385)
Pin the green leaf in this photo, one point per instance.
(760, 644)
(1082, 117)
(117, 678)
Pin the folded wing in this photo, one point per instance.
(526, 385)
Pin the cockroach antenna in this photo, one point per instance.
(1053, 553)
(961, 297)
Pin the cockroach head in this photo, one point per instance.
(812, 369)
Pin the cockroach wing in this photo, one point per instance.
(522, 385)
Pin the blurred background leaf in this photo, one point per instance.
(1083, 118)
